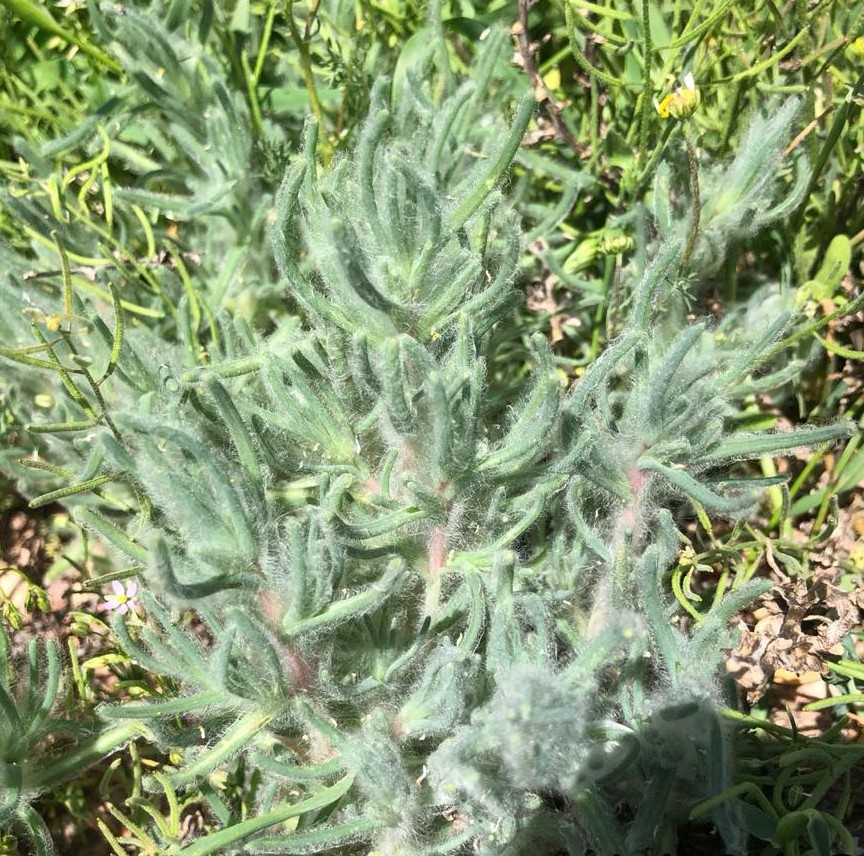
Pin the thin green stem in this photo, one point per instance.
(697, 202)
(265, 44)
(579, 56)
(252, 95)
(309, 79)
(647, 87)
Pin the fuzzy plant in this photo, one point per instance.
(31, 688)
(147, 223)
(726, 206)
(434, 615)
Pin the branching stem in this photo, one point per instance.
(301, 43)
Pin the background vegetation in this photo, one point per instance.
(142, 147)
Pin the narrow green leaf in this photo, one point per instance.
(497, 166)
(233, 741)
(219, 841)
(21, 356)
(117, 340)
(70, 490)
(682, 480)
(113, 534)
(748, 446)
(350, 607)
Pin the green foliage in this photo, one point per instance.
(29, 692)
(431, 577)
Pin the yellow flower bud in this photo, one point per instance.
(613, 245)
(681, 103)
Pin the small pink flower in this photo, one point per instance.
(123, 598)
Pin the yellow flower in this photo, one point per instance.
(682, 102)
(613, 245)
